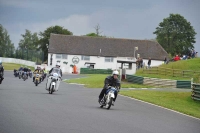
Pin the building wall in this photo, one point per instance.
(100, 63)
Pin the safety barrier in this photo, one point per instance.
(196, 91)
(95, 71)
(166, 83)
(160, 82)
(183, 84)
(17, 61)
(134, 79)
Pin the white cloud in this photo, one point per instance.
(77, 24)
(119, 23)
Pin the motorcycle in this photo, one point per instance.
(1, 75)
(16, 73)
(37, 79)
(107, 100)
(24, 77)
(30, 74)
(53, 83)
(20, 74)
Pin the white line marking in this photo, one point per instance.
(160, 107)
(76, 84)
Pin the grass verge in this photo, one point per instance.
(97, 81)
(12, 66)
(179, 101)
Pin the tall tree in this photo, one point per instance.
(6, 46)
(28, 45)
(29, 40)
(175, 34)
(45, 36)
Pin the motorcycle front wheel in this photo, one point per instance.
(36, 82)
(108, 105)
(51, 91)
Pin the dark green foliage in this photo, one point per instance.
(6, 46)
(45, 36)
(176, 35)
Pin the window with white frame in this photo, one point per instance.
(58, 56)
(85, 58)
(108, 59)
(61, 56)
(64, 56)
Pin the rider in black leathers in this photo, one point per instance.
(1, 72)
(110, 81)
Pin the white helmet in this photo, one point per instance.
(58, 64)
(115, 72)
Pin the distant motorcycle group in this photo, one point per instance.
(23, 73)
(38, 75)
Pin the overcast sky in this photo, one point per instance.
(117, 18)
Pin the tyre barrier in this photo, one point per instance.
(196, 91)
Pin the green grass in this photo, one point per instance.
(97, 81)
(12, 66)
(179, 101)
(182, 65)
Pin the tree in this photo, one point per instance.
(45, 36)
(92, 34)
(28, 45)
(175, 34)
(29, 41)
(6, 46)
(97, 32)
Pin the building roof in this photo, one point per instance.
(106, 47)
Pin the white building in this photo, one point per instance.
(101, 53)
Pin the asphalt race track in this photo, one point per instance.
(26, 108)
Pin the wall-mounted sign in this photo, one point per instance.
(75, 60)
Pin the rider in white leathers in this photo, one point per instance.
(51, 72)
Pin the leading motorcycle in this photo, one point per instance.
(53, 82)
(107, 100)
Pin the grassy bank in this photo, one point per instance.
(192, 65)
(97, 81)
(12, 66)
(179, 101)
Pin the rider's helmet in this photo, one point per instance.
(115, 72)
(57, 64)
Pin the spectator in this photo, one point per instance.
(141, 62)
(196, 54)
(149, 62)
(176, 58)
(165, 60)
